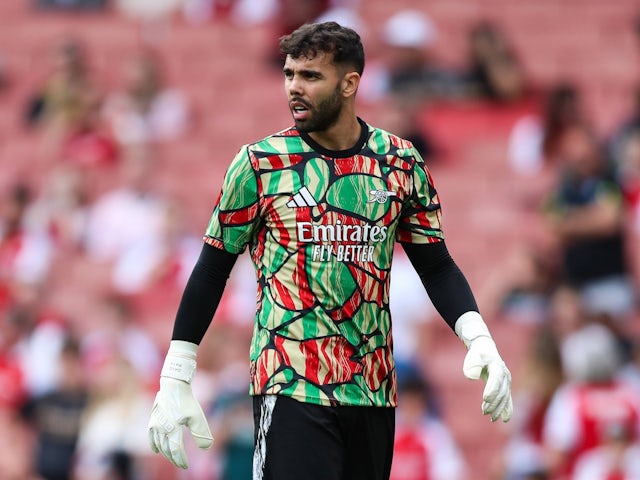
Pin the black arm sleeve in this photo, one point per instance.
(202, 294)
(446, 285)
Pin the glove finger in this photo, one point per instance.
(203, 442)
(500, 407)
(489, 408)
(491, 399)
(159, 429)
(200, 430)
(163, 445)
(165, 442)
(496, 390)
(157, 437)
(153, 428)
(176, 449)
(507, 413)
(152, 440)
(495, 379)
(156, 441)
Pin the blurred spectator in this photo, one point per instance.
(55, 417)
(71, 4)
(534, 138)
(293, 13)
(117, 334)
(424, 447)
(494, 71)
(164, 260)
(232, 415)
(113, 433)
(25, 253)
(152, 17)
(148, 11)
(67, 97)
(146, 110)
(13, 391)
(401, 116)
(40, 347)
(62, 207)
(519, 289)
(408, 67)
(585, 214)
(411, 312)
(592, 402)
(15, 448)
(88, 145)
(618, 458)
(220, 385)
(290, 15)
(566, 314)
(345, 13)
(627, 128)
(537, 382)
(562, 110)
(630, 371)
(627, 164)
(67, 108)
(123, 217)
(242, 12)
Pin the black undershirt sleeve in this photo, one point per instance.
(202, 293)
(446, 285)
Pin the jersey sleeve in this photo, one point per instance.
(235, 216)
(421, 219)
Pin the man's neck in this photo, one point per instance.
(343, 135)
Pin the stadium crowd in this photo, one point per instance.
(78, 369)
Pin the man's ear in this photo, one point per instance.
(350, 83)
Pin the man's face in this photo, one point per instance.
(579, 152)
(314, 92)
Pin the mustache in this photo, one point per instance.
(300, 101)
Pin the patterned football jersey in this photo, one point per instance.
(321, 227)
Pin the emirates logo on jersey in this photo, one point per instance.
(309, 232)
(327, 240)
(337, 240)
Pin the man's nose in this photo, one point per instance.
(294, 86)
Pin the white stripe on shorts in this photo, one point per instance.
(260, 452)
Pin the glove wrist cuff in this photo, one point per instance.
(470, 326)
(180, 362)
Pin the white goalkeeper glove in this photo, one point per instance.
(175, 406)
(483, 361)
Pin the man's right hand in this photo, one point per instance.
(175, 406)
(484, 362)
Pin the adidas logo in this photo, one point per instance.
(302, 199)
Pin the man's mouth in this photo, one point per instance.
(299, 110)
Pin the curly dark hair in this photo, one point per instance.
(328, 37)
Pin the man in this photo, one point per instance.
(320, 206)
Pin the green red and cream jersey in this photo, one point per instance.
(321, 227)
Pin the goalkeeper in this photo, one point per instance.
(319, 206)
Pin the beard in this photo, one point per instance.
(322, 116)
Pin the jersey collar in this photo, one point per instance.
(350, 152)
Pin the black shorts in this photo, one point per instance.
(296, 440)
